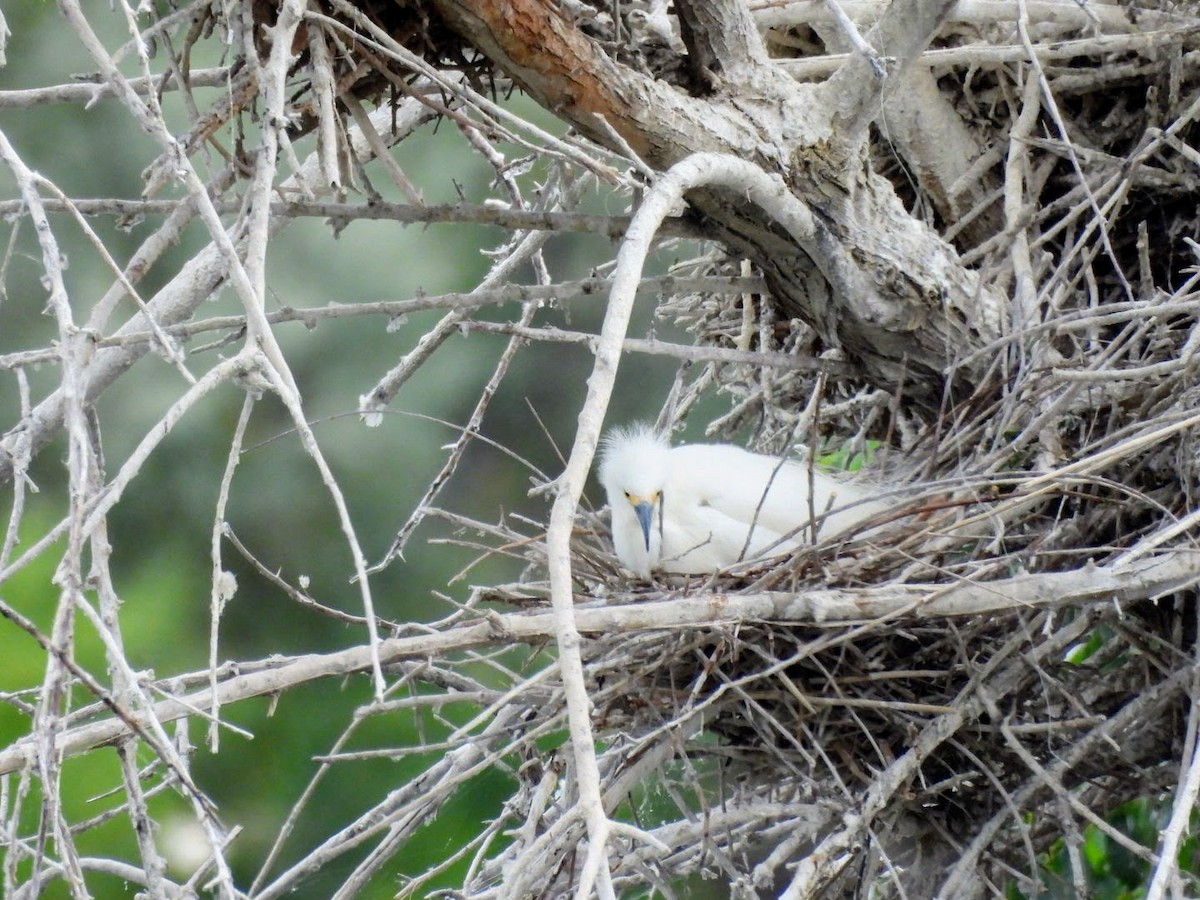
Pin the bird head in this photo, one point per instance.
(634, 471)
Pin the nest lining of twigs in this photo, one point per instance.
(807, 708)
(854, 685)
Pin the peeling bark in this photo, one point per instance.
(890, 291)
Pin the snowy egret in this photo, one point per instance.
(701, 507)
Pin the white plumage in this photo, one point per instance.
(701, 507)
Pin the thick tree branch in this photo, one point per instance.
(872, 280)
(721, 37)
(856, 90)
(829, 607)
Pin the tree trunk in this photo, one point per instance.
(874, 281)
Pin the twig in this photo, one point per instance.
(687, 352)
(999, 54)
(223, 586)
(378, 210)
(829, 607)
(695, 171)
(89, 93)
(1166, 872)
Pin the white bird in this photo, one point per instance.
(698, 508)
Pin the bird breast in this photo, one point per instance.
(629, 542)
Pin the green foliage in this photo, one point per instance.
(1082, 652)
(1111, 870)
(846, 459)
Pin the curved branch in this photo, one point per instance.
(886, 288)
(700, 170)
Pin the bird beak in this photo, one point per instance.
(645, 516)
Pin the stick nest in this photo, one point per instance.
(958, 746)
(1079, 449)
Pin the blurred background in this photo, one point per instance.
(161, 530)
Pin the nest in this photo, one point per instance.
(754, 740)
(905, 752)
(1080, 450)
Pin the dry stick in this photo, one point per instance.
(20, 455)
(176, 65)
(167, 236)
(829, 607)
(1066, 15)
(1156, 540)
(612, 226)
(851, 33)
(128, 690)
(587, 288)
(154, 865)
(1011, 808)
(47, 723)
(1090, 465)
(89, 93)
(480, 844)
(1073, 839)
(1115, 187)
(1166, 873)
(1024, 291)
(859, 86)
(155, 126)
(111, 867)
(688, 352)
(361, 118)
(223, 586)
(1052, 108)
(295, 593)
(253, 293)
(974, 55)
(698, 170)
(322, 80)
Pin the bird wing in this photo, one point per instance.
(733, 481)
(750, 487)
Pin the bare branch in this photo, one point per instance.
(828, 607)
